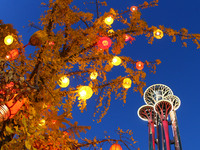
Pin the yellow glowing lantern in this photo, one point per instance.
(63, 81)
(42, 122)
(127, 83)
(85, 92)
(116, 61)
(8, 40)
(93, 75)
(111, 32)
(158, 34)
(109, 20)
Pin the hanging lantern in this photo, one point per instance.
(85, 92)
(93, 75)
(13, 54)
(127, 83)
(63, 81)
(133, 8)
(42, 122)
(158, 34)
(139, 65)
(126, 37)
(116, 61)
(109, 20)
(8, 110)
(38, 38)
(111, 32)
(104, 43)
(8, 40)
(115, 147)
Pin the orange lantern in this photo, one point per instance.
(139, 65)
(8, 110)
(133, 8)
(109, 20)
(104, 42)
(13, 54)
(115, 147)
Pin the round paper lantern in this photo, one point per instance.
(8, 40)
(133, 8)
(139, 65)
(109, 20)
(104, 43)
(38, 38)
(63, 81)
(42, 122)
(13, 54)
(115, 147)
(111, 32)
(126, 37)
(93, 75)
(116, 61)
(158, 34)
(127, 83)
(85, 92)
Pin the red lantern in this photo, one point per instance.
(104, 43)
(139, 65)
(13, 54)
(133, 8)
(8, 110)
(116, 147)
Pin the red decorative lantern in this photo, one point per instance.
(104, 42)
(133, 8)
(13, 54)
(139, 65)
(8, 110)
(115, 147)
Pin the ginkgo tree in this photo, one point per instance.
(35, 88)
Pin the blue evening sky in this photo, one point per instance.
(180, 67)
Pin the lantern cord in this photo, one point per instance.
(26, 45)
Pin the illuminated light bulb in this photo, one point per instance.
(139, 65)
(63, 81)
(109, 20)
(104, 43)
(127, 83)
(42, 122)
(93, 75)
(8, 40)
(85, 92)
(115, 147)
(158, 34)
(116, 61)
(133, 8)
